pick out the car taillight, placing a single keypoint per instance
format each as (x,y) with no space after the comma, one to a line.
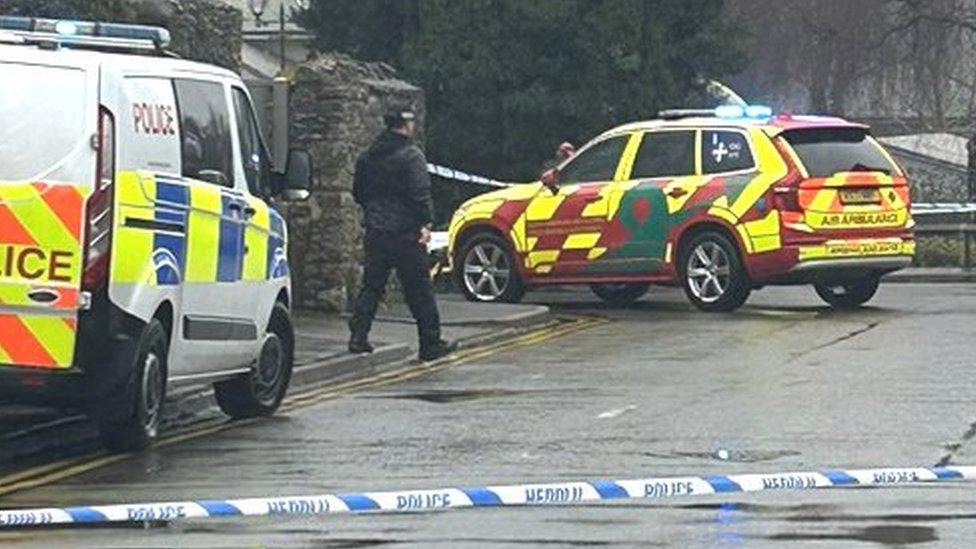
(786,191)
(98,209)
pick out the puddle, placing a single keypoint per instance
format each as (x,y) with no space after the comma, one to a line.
(447,396)
(593,522)
(729,455)
(338,543)
(811,510)
(894,535)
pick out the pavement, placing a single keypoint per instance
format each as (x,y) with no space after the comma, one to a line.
(917,275)
(30,434)
(656,389)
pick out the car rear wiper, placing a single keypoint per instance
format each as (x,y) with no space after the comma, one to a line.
(863,168)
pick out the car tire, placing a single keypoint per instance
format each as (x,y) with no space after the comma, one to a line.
(129,418)
(620,295)
(848,295)
(486,270)
(712,273)
(259,393)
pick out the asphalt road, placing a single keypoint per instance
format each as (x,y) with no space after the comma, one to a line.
(784,384)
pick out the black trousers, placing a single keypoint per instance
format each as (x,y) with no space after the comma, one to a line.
(402,252)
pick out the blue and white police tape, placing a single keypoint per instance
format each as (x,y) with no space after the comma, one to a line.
(921,208)
(560,493)
(458,175)
(942,208)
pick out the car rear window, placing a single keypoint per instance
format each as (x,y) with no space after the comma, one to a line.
(43,111)
(825,152)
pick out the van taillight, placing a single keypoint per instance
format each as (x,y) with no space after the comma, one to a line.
(786,191)
(98,209)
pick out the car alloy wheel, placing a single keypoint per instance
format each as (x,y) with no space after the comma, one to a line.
(709,272)
(152,379)
(270,370)
(487,272)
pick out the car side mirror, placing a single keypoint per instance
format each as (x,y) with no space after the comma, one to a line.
(550,178)
(214,177)
(295,183)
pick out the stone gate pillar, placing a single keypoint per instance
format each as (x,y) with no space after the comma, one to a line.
(337,104)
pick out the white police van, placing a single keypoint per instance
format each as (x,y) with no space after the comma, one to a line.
(139,248)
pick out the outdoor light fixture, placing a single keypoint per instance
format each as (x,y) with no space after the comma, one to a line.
(257,8)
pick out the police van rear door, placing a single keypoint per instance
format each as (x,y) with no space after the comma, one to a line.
(49,113)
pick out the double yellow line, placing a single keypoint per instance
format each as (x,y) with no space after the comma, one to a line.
(66,468)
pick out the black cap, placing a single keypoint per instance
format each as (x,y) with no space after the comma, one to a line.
(398,116)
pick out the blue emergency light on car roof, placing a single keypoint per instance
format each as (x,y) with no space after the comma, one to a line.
(87,32)
(740,111)
(729,112)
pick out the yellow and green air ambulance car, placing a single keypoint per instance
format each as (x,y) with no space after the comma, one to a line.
(720,202)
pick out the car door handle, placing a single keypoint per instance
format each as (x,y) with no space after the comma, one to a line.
(677,192)
(44,296)
(249,211)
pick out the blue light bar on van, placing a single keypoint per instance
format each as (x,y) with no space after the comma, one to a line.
(748,111)
(87,32)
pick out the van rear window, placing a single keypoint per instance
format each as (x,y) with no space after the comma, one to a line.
(825,152)
(42,119)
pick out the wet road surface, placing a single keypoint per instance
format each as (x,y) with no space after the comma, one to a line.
(785,384)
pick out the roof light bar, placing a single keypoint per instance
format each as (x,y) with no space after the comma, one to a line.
(759,111)
(675,114)
(743,111)
(722,111)
(87,33)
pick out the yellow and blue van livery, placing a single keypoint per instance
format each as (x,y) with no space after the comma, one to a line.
(139,245)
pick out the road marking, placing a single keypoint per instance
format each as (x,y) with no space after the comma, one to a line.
(517,495)
(70,467)
(610,414)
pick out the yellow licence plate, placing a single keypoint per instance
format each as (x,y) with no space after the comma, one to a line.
(860,196)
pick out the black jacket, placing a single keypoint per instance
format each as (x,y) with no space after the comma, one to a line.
(392,185)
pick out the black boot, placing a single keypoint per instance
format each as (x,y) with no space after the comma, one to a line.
(436,349)
(359,345)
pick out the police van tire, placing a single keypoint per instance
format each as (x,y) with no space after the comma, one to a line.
(260,392)
(489,252)
(620,295)
(130,420)
(712,273)
(848,295)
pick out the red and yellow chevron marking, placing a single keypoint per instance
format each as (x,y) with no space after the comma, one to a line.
(39,341)
(41,231)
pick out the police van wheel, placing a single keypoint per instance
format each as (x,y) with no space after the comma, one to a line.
(712,273)
(848,295)
(130,421)
(620,295)
(486,270)
(259,393)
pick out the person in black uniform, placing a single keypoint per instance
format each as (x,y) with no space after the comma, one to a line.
(392,186)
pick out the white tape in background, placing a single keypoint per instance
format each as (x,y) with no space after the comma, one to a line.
(458,175)
(921,208)
(943,208)
(439,240)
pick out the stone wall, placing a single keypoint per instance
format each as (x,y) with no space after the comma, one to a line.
(202,30)
(337,105)
(934,181)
